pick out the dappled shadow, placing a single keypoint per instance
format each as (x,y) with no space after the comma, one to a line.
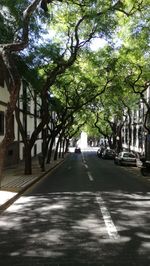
(131,213)
(65,224)
(65,228)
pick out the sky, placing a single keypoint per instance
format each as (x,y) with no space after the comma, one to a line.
(97,43)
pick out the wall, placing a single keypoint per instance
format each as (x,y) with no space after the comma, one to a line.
(15,150)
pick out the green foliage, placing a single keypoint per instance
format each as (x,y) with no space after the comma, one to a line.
(11,15)
(29,74)
(100,81)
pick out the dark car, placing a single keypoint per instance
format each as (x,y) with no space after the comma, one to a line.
(100,151)
(77,150)
(108,154)
(125,158)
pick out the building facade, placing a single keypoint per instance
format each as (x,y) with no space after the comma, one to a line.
(29,113)
(139,135)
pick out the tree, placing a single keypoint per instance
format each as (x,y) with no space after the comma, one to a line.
(72,40)
(76,24)
(13,78)
(133,64)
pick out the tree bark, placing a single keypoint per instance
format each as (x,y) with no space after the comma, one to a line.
(66,145)
(49,155)
(60,147)
(28,160)
(56,151)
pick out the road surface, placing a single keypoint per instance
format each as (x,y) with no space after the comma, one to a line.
(88,211)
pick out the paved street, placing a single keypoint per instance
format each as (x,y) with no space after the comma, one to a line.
(88,211)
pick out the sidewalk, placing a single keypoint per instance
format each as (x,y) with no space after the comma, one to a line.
(14,182)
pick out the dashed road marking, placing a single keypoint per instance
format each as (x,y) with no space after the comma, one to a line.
(84,162)
(83,158)
(111,228)
(86,166)
(90,176)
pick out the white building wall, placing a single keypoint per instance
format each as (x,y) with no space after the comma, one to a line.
(137,121)
(30,127)
(4,98)
(4,94)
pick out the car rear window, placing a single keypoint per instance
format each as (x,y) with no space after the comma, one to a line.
(130,155)
(126,155)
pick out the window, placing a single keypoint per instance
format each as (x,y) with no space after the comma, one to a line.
(1,123)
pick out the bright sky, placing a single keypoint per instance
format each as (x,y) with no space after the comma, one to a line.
(97,44)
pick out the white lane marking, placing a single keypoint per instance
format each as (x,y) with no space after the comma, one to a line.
(83,158)
(90,176)
(84,162)
(111,228)
(86,166)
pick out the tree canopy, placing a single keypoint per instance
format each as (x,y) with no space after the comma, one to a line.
(50,42)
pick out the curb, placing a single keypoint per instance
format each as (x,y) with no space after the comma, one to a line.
(9,202)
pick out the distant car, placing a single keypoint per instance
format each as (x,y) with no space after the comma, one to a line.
(108,154)
(77,150)
(125,158)
(99,152)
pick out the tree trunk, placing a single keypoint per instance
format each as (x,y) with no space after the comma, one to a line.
(2,161)
(63,148)
(13,79)
(67,145)
(49,155)
(110,143)
(44,148)
(56,151)
(60,147)
(28,160)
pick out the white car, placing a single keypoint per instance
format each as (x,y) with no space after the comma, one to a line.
(125,158)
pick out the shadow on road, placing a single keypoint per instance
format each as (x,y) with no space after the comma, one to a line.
(68,229)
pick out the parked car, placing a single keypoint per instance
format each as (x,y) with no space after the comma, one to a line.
(108,154)
(100,151)
(125,158)
(77,150)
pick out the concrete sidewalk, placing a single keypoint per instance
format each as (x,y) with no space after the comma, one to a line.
(14,182)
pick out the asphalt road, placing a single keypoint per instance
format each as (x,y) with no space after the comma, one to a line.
(86,212)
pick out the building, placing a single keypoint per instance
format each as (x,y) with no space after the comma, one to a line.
(139,135)
(29,113)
